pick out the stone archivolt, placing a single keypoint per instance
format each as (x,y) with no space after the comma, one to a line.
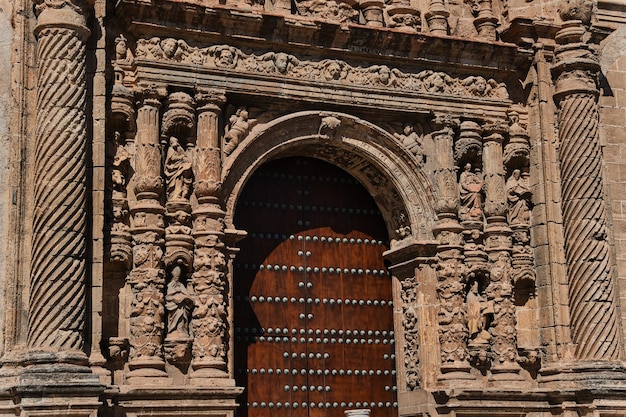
(328,70)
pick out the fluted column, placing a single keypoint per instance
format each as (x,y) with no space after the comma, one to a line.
(451,271)
(209,322)
(498,246)
(592,301)
(147,279)
(56,315)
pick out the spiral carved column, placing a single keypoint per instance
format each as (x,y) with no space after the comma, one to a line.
(56,318)
(209,280)
(593,312)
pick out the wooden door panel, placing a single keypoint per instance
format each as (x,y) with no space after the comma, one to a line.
(310,280)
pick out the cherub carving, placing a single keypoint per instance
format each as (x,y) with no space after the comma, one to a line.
(412,142)
(278,62)
(434,81)
(238,126)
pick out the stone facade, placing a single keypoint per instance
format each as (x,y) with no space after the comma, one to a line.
(489,133)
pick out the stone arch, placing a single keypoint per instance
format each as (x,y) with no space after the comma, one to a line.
(392,176)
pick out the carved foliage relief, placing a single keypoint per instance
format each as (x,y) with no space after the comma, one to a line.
(328,70)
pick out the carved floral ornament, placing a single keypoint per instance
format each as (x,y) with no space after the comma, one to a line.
(328,70)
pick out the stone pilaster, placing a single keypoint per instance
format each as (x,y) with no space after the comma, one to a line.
(147,279)
(209,323)
(451,271)
(498,246)
(592,301)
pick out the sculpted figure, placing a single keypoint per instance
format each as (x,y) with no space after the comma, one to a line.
(470,189)
(121,48)
(333,70)
(225,56)
(411,141)
(238,126)
(177,172)
(477,86)
(278,62)
(518,195)
(121,161)
(477,311)
(435,82)
(178,303)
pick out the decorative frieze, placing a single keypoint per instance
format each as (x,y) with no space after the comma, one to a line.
(329,70)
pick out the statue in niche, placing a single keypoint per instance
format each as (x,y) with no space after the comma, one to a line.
(178,303)
(121,48)
(238,126)
(477,313)
(411,141)
(470,190)
(121,164)
(518,195)
(178,172)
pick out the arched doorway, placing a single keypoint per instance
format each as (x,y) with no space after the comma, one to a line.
(313,301)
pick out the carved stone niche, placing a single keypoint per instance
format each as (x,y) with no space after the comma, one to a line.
(178,132)
(119,171)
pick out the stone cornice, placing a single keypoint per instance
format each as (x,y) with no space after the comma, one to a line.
(314,36)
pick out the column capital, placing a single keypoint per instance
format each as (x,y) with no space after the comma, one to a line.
(210,99)
(68,14)
(150,94)
(444,124)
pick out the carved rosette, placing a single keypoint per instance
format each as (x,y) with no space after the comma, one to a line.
(147,278)
(59,247)
(592,300)
(411,332)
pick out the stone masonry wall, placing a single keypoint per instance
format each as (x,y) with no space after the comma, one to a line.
(612,121)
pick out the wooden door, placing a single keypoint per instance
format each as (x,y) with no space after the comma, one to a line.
(313,304)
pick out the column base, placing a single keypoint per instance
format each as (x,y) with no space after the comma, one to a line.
(583,374)
(179,401)
(59,389)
